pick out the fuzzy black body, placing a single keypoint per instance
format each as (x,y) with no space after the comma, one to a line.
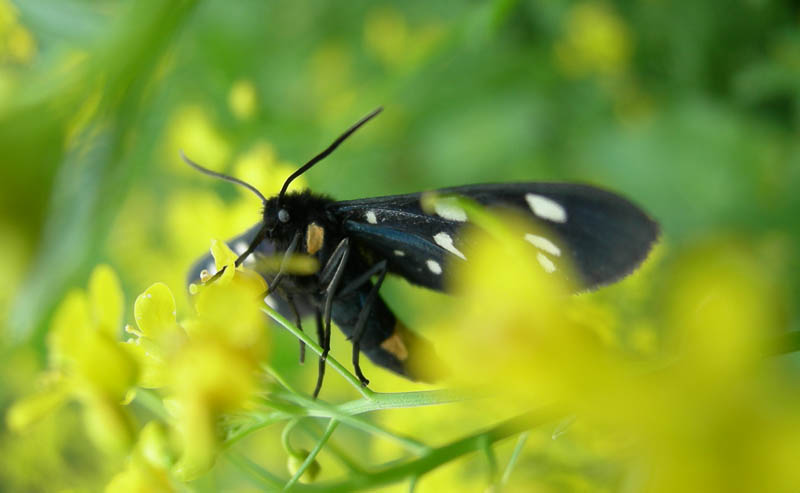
(602,235)
(316,215)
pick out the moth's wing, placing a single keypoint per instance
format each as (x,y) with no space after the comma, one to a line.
(266,248)
(603,235)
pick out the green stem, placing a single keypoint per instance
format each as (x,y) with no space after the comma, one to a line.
(253,471)
(326,410)
(287,430)
(271,418)
(332,424)
(360,406)
(330,360)
(442,455)
(491,460)
(333,449)
(523,437)
(397,400)
(278,378)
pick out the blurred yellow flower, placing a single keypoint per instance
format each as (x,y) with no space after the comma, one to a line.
(192,130)
(259,166)
(147,469)
(243,99)
(386,35)
(596,41)
(88,364)
(16,42)
(510,329)
(706,415)
(389,38)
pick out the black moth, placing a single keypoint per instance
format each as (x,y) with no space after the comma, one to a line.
(604,235)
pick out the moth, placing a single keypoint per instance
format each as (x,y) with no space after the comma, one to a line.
(358,242)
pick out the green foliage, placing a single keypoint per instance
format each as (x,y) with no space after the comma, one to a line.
(691,109)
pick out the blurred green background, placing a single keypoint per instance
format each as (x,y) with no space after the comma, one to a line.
(692,109)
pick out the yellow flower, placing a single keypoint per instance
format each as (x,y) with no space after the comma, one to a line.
(596,41)
(709,415)
(192,130)
(510,328)
(208,364)
(158,334)
(88,364)
(147,469)
(242,99)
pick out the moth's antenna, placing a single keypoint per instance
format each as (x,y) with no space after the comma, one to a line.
(222,177)
(322,155)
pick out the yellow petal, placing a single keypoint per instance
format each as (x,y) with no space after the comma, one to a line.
(104,366)
(107,424)
(139,477)
(71,325)
(199,440)
(154,310)
(32,408)
(154,446)
(232,311)
(106,300)
(152,369)
(223,257)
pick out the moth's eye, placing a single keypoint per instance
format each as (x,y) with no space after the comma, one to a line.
(283,216)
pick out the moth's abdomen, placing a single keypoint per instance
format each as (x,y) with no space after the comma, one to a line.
(385,340)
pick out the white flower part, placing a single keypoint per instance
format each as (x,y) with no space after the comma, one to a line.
(371,217)
(449,211)
(434,266)
(445,241)
(546,208)
(543,244)
(400,253)
(546,263)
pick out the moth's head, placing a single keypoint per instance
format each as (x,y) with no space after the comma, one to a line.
(277,214)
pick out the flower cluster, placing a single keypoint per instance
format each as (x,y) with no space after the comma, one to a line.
(204,367)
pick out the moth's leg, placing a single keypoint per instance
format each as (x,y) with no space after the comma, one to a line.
(297,323)
(327,272)
(284,262)
(360,280)
(262,233)
(361,322)
(339,260)
(321,339)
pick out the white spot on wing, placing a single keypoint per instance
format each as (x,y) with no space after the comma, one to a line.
(434,266)
(212,268)
(400,253)
(543,244)
(546,208)
(269,300)
(450,211)
(445,241)
(546,263)
(371,217)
